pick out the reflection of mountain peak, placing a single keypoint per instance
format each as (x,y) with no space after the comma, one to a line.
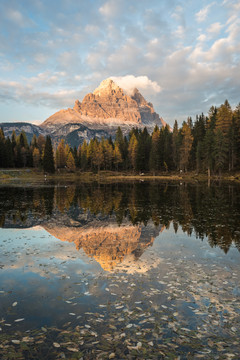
(108,244)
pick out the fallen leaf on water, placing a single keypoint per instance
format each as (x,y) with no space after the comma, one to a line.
(72,349)
(16,341)
(56,345)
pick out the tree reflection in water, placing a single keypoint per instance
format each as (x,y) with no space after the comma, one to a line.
(207,211)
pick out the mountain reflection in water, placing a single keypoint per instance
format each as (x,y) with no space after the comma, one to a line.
(112,221)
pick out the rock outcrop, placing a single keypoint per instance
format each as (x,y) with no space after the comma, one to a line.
(98,115)
(108,107)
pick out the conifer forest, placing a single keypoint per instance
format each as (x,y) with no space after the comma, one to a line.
(209,144)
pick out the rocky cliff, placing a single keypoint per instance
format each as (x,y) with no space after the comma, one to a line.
(98,115)
(106,108)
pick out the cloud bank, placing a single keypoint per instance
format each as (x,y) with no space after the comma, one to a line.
(182,58)
(129,82)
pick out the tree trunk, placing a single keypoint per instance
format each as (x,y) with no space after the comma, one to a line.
(209,172)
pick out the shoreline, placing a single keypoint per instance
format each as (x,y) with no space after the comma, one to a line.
(25,174)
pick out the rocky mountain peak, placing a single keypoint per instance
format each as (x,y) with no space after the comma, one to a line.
(107,87)
(106,108)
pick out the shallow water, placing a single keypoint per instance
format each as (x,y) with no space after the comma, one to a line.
(125,271)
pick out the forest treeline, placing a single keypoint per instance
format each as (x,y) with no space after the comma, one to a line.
(209,144)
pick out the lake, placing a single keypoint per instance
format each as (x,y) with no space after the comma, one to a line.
(145,270)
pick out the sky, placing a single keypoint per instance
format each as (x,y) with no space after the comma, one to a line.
(182,55)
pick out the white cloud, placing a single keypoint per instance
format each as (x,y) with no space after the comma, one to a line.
(110,8)
(202,38)
(202,14)
(129,82)
(180,32)
(93,30)
(215,28)
(18,18)
(28,94)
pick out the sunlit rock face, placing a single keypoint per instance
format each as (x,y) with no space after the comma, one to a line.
(108,245)
(110,106)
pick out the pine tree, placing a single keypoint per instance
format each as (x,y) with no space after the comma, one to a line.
(144,148)
(175,145)
(154,161)
(198,132)
(220,151)
(167,150)
(208,145)
(236,121)
(123,145)
(185,146)
(84,155)
(9,153)
(2,149)
(48,160)
(212,117)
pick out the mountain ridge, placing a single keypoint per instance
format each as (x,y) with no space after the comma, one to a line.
(99,114)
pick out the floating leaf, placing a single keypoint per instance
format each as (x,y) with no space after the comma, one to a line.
(72,349)
(16,342)
(129,326)
(56,345)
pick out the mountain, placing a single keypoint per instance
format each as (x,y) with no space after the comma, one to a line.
(107,108)
(28,128)
(98,115)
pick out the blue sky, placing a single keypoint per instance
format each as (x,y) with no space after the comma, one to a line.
(183,56)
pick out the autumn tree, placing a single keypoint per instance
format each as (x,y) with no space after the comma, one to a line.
(107,149)
(133,151)
(70,162)
(61,155)
(36,157)
(117,157)
(224,118)
(97,154)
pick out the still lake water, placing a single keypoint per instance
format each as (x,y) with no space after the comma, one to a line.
(124,271)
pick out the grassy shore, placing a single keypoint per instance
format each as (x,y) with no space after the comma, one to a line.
(14,175)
